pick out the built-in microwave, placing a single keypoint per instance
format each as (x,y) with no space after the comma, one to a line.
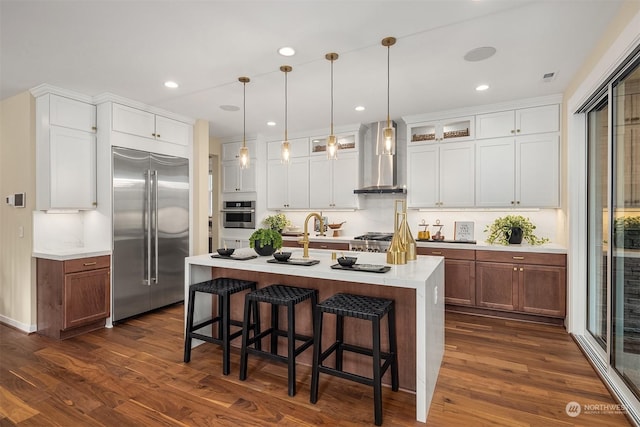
(239,214)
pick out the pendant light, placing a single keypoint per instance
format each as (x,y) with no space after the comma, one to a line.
(244,151)
(285,150)
(332,142)
(389,132)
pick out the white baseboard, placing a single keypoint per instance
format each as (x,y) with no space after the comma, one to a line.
(18,325)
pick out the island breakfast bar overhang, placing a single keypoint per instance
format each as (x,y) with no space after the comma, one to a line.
(422,280)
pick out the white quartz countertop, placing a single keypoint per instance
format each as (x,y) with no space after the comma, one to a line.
(69,253)
(479,245)
(411,275)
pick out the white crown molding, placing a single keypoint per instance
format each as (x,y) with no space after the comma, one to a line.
(45,89)
(482,109)
(111,97)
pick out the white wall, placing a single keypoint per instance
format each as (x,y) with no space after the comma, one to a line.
(17,174)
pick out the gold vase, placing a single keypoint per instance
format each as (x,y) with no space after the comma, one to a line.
(397,253)
(407,239)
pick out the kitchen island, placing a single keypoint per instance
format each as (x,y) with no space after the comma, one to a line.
(417,288)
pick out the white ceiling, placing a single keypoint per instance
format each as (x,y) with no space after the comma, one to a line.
(130,48)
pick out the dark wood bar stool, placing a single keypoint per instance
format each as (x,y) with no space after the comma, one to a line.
(223,288)
(276,295)
(360,307)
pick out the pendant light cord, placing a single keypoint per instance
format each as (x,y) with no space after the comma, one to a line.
(332,97)
(388,84)
(244,113)
(286,136)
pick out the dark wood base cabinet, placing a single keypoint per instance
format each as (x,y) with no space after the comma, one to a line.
(520,285)
(73,295)
(459,274)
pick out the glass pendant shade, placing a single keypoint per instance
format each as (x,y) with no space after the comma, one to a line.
(244,157)
(332,147)
(332,141)
(285,151)
(389,140)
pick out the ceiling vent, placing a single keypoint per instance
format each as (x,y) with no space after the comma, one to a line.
(548,77)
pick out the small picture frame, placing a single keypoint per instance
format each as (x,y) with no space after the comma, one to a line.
(463,230)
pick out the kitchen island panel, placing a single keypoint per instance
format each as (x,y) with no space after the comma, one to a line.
(356,331)
(422,280)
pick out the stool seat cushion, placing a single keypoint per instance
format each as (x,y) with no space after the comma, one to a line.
(221,286)
(281,294)
(358,306)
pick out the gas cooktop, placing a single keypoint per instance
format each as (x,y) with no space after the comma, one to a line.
(374,235)
(371,242)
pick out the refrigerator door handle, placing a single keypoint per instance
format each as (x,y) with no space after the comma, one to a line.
(155,225)
(147,252)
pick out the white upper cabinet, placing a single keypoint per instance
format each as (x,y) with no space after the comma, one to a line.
(332,182)
(423,177)
(288,183)
(234,178)
(519,172)
(450,130)
(72,114)
(538,171)
(523,121)
(231,150)
(457,175)
(65,153)
(441,175)
(298,147)
(148,125)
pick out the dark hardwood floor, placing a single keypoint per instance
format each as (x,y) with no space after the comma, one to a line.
(495,372)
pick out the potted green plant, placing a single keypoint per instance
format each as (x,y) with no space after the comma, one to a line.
(511,229)
(277,222)
(265,241)
(627,232)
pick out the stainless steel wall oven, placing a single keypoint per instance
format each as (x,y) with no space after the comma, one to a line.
(239,214)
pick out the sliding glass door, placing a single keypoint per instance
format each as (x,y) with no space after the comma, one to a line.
(598,220)
(613,225)
(625,257)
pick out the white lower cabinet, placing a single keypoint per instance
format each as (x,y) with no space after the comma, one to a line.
(288,184)
(441,176)
(331,182)
(518,172)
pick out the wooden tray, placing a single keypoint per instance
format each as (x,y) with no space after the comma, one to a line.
(236,257)
(295,261)
(369,268)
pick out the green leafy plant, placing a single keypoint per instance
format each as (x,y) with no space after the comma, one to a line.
(265,236)
(500,230)
(277,222)
(627,222)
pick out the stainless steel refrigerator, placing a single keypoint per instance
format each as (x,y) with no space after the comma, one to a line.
(150,230)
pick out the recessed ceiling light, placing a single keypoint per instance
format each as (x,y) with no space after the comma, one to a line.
(480,88)
(480,54)
(229,107)
(360,108)
(287,51)
(171,85)
(271,123)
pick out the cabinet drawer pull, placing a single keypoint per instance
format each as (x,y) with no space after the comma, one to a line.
(87,264)
(518,257)
(323,246)
(521,269)
(515,268)
(436,252)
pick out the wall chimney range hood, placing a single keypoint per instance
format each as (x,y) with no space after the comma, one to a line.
(379,170)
